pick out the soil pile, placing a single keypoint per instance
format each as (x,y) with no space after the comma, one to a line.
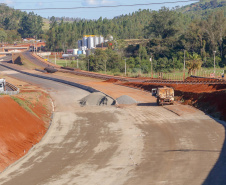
(209,98)
(213,103)
(111,80)
(202,79)
(197,88)
(20,130)
(97,99)
(126,100)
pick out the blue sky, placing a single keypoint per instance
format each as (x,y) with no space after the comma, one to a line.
(87,13)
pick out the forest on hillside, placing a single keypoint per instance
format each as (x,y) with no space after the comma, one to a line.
(15,24)
(171,34)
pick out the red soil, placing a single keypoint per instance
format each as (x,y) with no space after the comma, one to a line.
(209,98)
(19,131)
(202,79)
(197,88)
(111,80)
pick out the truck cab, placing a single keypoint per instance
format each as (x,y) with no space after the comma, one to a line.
(165,95)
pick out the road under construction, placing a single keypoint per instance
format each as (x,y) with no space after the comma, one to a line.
(123,145)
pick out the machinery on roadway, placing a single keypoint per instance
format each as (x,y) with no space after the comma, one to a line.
(2,85)
(165,95)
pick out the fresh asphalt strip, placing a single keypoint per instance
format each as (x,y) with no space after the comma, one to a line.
(83,87)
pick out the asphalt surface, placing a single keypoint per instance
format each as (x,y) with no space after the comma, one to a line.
(148,145)
(28,55)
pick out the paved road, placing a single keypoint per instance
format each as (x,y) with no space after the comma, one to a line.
(33,59)
(130,145)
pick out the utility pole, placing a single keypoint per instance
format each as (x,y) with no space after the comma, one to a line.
(77,63)
(35,47)
(55,58)
(184,67)
(105,66)
(214,53)
(88,64)
(125,67)
(151,67)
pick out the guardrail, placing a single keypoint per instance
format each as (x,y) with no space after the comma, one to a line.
(14,89)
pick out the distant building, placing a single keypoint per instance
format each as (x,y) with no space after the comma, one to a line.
(90,41)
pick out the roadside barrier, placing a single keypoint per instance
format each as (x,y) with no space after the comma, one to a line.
(14,89)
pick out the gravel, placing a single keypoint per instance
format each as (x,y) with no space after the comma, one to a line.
(97,99)
(126,100)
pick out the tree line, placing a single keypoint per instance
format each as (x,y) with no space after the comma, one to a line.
(15,24)
(171,34)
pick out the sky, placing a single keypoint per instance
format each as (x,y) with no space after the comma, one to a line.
(85,11)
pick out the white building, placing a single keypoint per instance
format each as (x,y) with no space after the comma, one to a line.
(85,41)
(90,42)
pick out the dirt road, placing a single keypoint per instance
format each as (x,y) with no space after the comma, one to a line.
(109,145)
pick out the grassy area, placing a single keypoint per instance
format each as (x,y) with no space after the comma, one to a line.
(45,24)
(176,75)
(28,64)
(69,63)
(23,104)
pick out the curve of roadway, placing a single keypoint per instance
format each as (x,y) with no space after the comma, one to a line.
(107,145)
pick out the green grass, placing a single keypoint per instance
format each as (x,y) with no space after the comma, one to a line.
(23,104)
(46,24)
(28,64)
(176,75)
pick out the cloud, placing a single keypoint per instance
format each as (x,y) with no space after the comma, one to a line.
(39,4)
(8,2)
(97,2)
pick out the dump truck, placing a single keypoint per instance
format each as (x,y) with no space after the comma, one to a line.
(165,95)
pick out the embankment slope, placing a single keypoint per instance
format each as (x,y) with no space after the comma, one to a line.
(19,131)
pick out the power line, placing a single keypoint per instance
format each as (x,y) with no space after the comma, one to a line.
(26,2)
(114,6)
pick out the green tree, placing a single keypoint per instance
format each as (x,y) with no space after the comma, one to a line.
(164,24)
(3,35)
(31,25)
(194,63)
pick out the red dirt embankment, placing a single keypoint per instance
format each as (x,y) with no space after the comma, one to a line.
(195,88)
(19,131)
(209,98)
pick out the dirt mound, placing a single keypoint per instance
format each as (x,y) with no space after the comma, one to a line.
(202,79)
(97,99)
(211,103)
(197,88)
(111,80)
(126,100)
(209,98)
(20,130)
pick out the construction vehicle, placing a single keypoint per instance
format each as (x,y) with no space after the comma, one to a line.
(2,84)
(154,91)
(165,95)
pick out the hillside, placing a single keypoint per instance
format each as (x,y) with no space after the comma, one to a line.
(15,24)
(204,7)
